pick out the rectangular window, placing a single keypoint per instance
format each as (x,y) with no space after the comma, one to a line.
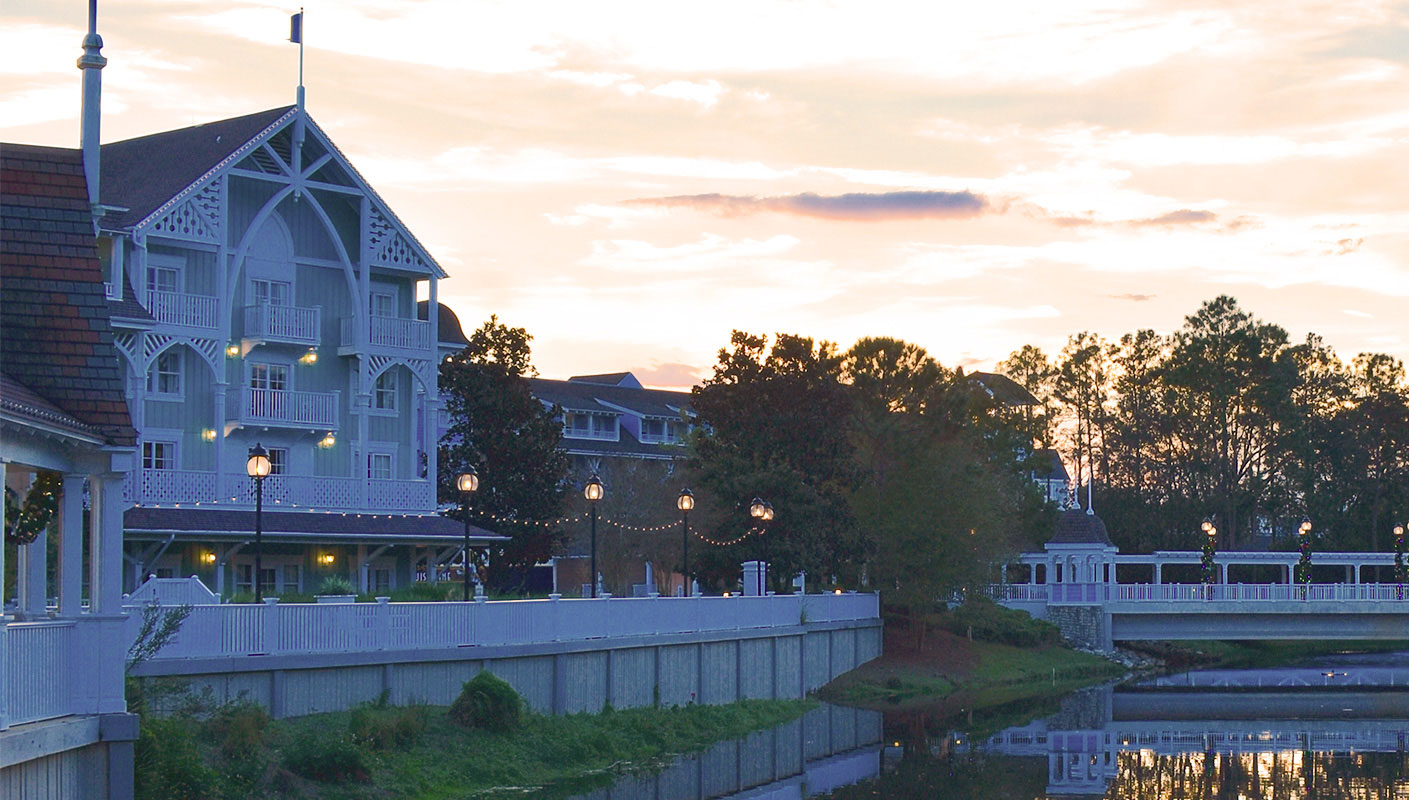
(158,455)
(384,394)
(379,466)
(603,426)
(242,578)
(272,293)
(163,279)
(383,304)
(269,376)
(291,579)
(165,375)
(381,581)
(278,460)
(266,580)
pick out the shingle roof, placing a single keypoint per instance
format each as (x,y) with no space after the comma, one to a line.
(142,174)
(609,379)
(55,335)
(1078,527)
(1003,389)
(576,394)
(17,399)
(1047,464)
(447,324)
(288,525)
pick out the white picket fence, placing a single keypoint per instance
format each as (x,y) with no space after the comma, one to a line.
(1190,592)
(292,629)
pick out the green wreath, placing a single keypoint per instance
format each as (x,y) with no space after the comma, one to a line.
(23,524)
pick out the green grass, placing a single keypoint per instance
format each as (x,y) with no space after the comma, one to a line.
(1242,654)
(547,757)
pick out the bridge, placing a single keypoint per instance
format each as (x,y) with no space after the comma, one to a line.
(1074,583)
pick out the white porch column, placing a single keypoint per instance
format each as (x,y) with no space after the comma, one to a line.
(105,543)
(1222,573)
(1158,565)
(31,565)
(71,546)
(1350,576)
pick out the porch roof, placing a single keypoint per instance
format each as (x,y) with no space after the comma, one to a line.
(302,527)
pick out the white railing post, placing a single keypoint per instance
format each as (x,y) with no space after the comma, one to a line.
(271,624)
(383,626)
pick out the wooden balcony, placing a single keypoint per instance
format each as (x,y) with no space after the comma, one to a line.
(289,409)
(282,324)
(387,333)
(184,310)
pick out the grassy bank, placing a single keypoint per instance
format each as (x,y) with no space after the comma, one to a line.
(1205,654)
(387,752)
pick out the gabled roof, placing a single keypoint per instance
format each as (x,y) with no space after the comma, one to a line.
(56,339)
(150,174)
(1003,389)
(142,174)
(1047,464)
(609,379)
(576,394)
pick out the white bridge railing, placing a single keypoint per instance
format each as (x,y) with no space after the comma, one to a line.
(1102,593)
(39,670)
(271,628)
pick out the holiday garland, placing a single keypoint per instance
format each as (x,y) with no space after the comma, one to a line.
(23,524)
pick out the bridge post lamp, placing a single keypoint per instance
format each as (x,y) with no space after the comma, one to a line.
(757,508)
(1399,570)
(593,491)
(685,502)
(467,483)
(767,518)
(1304,564)
(1210,570)
(258,467)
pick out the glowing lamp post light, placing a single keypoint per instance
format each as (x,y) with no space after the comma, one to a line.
(1303,566)
(1210,570)
(467,483)
(258,467)
(685,502)
(1399,569)
(594,491)
(761,512)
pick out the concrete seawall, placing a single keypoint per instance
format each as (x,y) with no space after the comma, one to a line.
(553,677)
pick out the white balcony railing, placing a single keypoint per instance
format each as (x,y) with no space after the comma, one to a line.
(171,487)
(292,324)
(39,663)
(390,332)
(177,308)
(241,630)
(285,407)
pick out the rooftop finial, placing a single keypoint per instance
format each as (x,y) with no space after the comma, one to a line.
(92,63)
(296,36)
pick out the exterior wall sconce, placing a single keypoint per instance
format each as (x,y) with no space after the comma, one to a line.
(208,558)
(310,357)
(232,350)
(326,559)
(208,434)
(328,440)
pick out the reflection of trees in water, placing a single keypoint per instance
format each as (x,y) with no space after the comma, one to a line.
(1287,775)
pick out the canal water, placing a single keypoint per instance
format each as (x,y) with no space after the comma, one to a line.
(1328,728)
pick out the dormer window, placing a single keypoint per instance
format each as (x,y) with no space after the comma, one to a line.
(581,425)
(661,431)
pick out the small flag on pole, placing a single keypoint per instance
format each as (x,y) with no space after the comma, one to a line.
(296,28)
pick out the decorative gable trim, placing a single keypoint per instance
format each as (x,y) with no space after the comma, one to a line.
(209,177)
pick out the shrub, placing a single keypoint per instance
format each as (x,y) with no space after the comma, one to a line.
(325,756)
(336,584)
(168,764)
(423,592)
(238,728)
(487,702)
(381,728)
(991,622)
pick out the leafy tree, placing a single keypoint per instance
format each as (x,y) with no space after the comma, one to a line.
(1030,368)
(510,439)
(775,422)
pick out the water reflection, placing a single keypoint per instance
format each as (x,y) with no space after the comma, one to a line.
(826,748)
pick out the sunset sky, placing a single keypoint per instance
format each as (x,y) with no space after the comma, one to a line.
(631,180)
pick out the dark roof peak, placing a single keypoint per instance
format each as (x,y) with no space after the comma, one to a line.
(1080,527)
(623,379)
(1003,389)
(450,331)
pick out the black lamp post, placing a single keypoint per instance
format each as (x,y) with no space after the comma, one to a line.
(767,518)
(1304,564)
(593,491)
(1399,561)
(467,483)
(757,508)
(258,467)
(1210,570)
(685,502)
